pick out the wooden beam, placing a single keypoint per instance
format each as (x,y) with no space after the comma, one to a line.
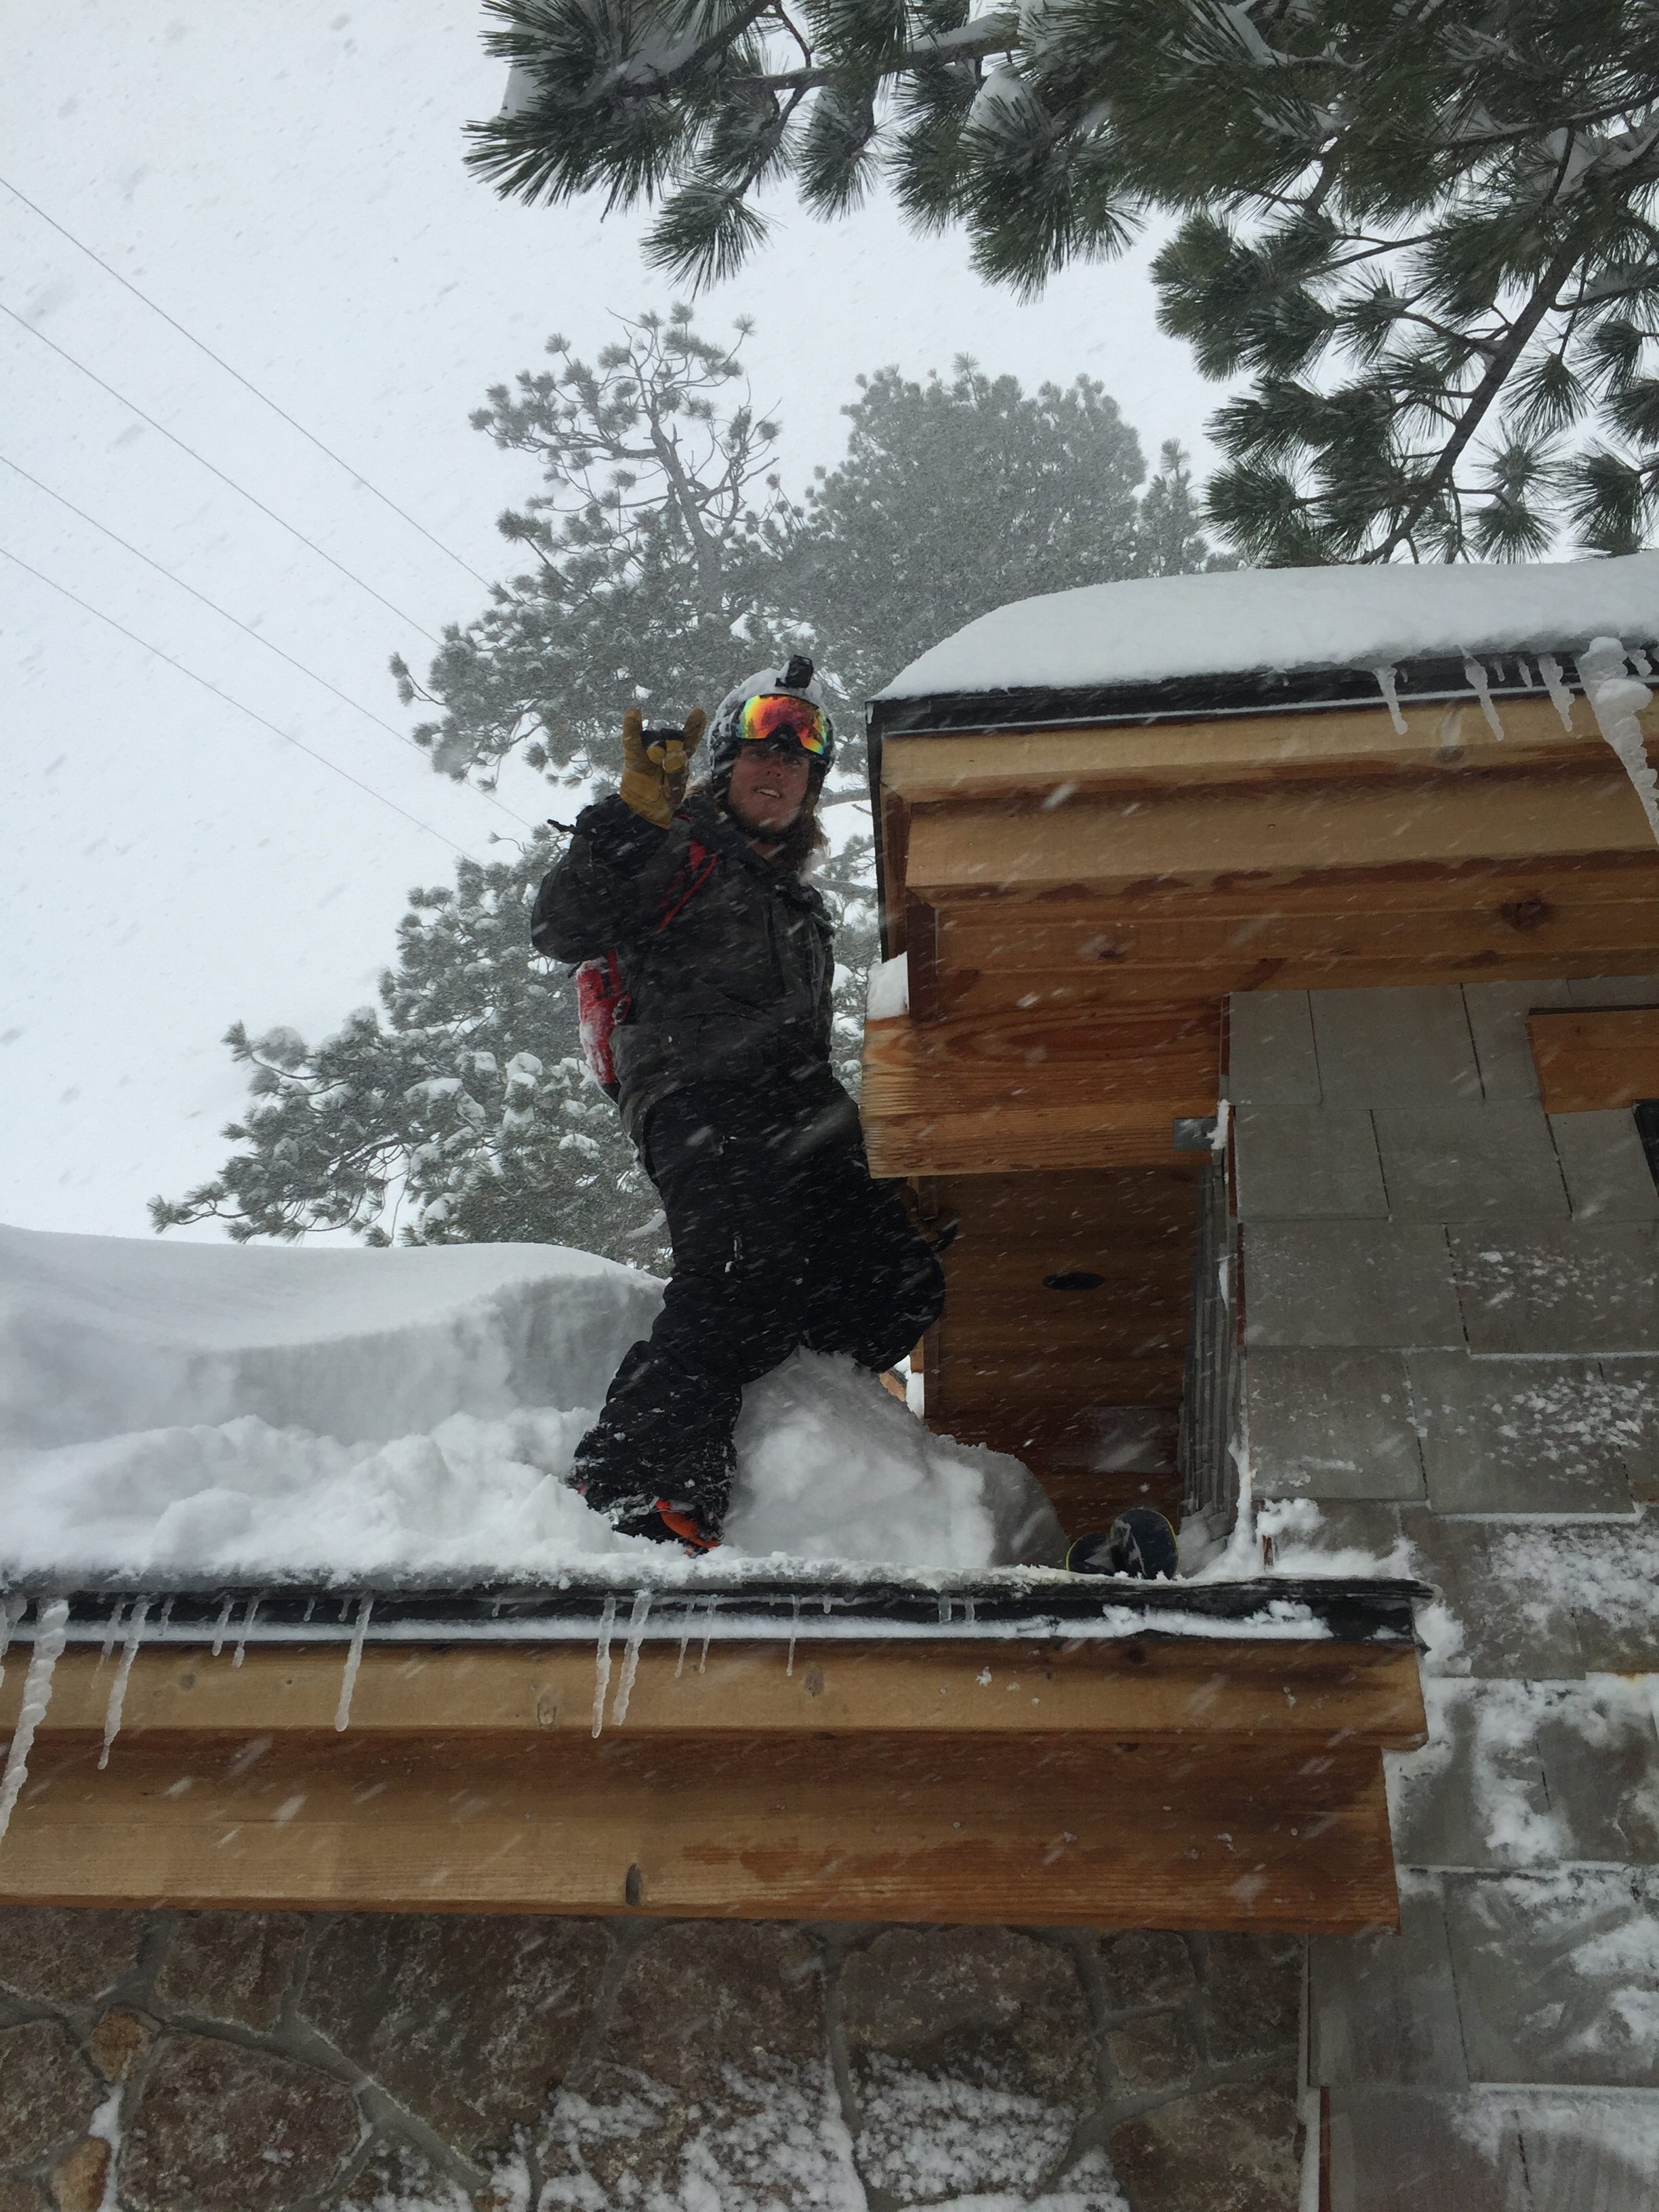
(988,996)
(1087,1831)
(1263,836)
(1144,1688)
(1338,890)
(1589,1061)
(1346,741)
(1138,1053)
(1004,1140)
(1221,938)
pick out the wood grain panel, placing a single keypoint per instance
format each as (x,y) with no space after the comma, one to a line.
(1004,1140)
(1564,880)
(1146,1687)
(1135,1055)
(1279,931)
(1010,1210)
(992,1828)
(986,996)
(1591,1061)
(1024,1386)
(1271,834)
(1348,741)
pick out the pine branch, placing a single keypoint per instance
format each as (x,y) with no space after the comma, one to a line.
(1481,399)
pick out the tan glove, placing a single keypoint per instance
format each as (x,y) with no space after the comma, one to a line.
(654,776)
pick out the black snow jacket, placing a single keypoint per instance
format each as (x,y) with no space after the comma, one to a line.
(734,987)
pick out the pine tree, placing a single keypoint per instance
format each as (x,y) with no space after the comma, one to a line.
(952,498)
(459,1111)
(1169,540)
(1423,232)
(658,524)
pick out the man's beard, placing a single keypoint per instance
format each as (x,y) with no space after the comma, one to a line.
(765,833)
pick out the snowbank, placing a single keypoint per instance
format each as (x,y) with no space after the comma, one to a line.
(1158,627)
(240,1413)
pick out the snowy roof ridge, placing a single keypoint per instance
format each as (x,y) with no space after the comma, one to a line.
(1155,630)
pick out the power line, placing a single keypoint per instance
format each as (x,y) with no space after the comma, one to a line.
(288,738)
(248,629)
(64,355)
(356,475)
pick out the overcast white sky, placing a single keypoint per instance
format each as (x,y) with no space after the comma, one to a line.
(287,182)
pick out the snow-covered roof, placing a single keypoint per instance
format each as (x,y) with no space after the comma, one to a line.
(1156,629)
(226,1412)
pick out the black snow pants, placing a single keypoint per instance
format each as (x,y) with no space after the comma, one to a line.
(780,1239)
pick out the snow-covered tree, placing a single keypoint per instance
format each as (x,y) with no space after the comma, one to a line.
(1424,233)
(953,498)
(458,1111)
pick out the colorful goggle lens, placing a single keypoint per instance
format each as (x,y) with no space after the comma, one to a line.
(782,714)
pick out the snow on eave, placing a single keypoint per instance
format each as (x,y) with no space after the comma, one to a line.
(1161,629)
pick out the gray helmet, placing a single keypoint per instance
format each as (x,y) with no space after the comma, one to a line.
(725,730)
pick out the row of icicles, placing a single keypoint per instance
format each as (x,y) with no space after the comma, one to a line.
(50,1635)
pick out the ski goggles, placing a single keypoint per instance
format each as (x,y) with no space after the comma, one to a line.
(775,717)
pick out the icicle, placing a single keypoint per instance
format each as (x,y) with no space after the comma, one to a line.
(241,1651)
(708,1631)
(51,1634)
(354,1661)
(221,1625)
(1385,676)
(118,1688)
(636,1621)
(111,1630)
(12,1610)
(1560,698)
(795,1631)
(602,1663)
(686,1619)
(1640,663)
(968,1613)
(1476,676)
(1616,699)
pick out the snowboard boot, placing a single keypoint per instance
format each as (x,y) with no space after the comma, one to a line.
(1139,1542)
(666,1521)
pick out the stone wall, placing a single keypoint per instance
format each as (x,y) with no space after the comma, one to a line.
(1451,1305)
(243,2062)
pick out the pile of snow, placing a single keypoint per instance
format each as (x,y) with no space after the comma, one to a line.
(223,1411)
(1155,627)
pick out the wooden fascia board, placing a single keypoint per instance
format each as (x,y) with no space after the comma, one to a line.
(1590,1060)
(1262,837)
(1008,1140)
(979,1828)
(1025,1058)
(1194,1688)
(1352,741)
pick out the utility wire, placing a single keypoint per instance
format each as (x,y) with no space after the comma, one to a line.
(248,630)
(356,475)
(64,355)
(321,758)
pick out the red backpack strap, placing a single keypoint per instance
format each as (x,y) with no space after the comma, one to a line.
(690,877)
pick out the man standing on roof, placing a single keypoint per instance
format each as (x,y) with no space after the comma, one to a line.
(721,1057)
